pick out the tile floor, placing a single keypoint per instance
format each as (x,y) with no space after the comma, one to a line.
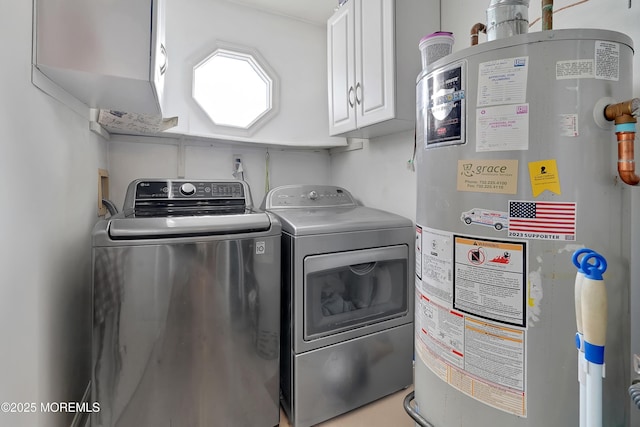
(384,412)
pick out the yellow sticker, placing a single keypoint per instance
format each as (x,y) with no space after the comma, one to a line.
(531,301)
(544,176)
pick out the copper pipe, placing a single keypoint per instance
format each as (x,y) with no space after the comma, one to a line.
(532,23)
(547,15)
(626,161)
(623,114)
(477,28)
(618,111)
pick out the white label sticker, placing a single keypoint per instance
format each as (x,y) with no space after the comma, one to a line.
(607,62)
(503,81)
(437,265)
(261,248)
(578,69)
(502,128)
(568,125)
(482,359)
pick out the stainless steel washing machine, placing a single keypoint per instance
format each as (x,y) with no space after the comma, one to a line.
(347,302)
(186,308)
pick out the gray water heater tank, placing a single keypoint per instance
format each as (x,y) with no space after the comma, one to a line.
(516,170)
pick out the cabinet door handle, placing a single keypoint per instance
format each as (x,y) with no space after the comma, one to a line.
(349,96)
(358,87)
(165,59)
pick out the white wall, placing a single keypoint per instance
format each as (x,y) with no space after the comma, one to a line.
(295,50)
(132,157)
(48,170)
(379,175)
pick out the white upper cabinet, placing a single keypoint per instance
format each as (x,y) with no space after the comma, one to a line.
(108,54)
(375,71)
(341,69)
(373,62)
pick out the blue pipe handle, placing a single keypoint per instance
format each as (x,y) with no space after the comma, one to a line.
(576,255)
(596,270)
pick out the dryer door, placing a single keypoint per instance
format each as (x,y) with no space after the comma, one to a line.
(344,291)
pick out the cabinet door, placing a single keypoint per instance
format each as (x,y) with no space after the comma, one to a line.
(102,51)
(341,69)
(159,58)
(375,60)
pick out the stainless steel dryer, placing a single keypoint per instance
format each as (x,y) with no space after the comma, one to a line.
(186,308)
(347,302)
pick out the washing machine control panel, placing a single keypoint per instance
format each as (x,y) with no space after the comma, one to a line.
(180,189)
(183,197)
(304,196)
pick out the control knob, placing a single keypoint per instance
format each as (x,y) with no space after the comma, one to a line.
(313,195)
(188,189)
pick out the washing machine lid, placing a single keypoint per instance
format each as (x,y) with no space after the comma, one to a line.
(322,209)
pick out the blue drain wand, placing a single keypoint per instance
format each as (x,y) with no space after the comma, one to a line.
(593,307)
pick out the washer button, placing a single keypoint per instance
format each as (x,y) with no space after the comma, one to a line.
(188,189)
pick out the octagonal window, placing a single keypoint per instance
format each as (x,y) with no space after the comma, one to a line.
(233,88)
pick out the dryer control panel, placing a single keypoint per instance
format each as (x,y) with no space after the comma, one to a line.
(306,196)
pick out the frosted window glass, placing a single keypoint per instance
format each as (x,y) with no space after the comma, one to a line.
(232,88)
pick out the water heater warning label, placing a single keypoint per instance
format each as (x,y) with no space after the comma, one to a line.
(489,279)
(607,60)
(466,339)
(574,69)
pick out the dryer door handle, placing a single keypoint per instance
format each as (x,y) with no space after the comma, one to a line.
(318,263)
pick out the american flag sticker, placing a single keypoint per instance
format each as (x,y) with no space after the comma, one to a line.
(542,220)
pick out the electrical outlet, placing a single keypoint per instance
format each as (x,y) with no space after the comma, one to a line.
(236,159)
(238,166)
